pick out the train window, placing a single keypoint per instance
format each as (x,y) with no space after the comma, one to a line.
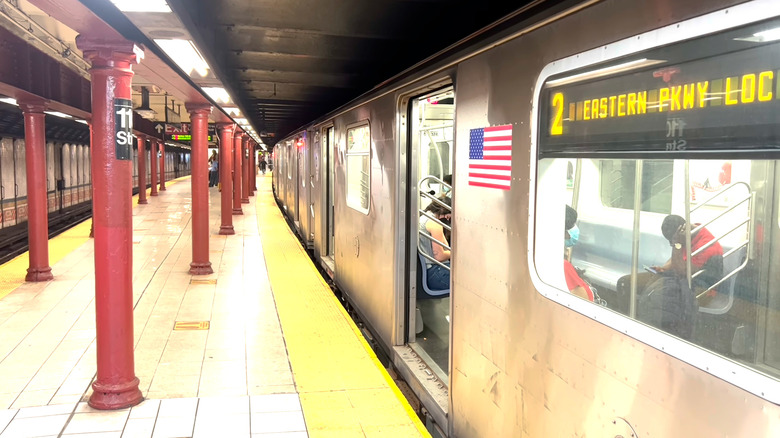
(655,184)
(617,184)
(359,167)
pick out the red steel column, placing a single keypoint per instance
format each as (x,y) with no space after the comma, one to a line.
(237,172)
(253,159)
(116,385)
(153,164)
(142,169)
(225,178)
(37,209)
(245,169)
(199,116)
(162,166)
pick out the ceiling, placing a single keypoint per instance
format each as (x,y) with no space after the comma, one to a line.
(289,61)
(274,65)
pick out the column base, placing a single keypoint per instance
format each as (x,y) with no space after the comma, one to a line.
(153,194)
(227,229)
(237,211)
(162,189)
(116,396)
(142,201)
(39,274)
(245,200)
(201,268)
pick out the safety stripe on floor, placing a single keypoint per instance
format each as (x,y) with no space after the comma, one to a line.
(344,389)
(12,272)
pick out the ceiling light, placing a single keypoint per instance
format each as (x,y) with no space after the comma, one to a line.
(82,121)
(141,5)
(58,114)
(240,120)
(605,71)
(218,94)
(185,55)
(231,110)
(763,36)
(9,100)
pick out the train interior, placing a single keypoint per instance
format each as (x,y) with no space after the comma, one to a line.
(432,137)
(622,205)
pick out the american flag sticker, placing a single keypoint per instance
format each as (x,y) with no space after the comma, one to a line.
(490,157)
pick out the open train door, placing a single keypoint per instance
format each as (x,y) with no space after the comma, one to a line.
(429,148)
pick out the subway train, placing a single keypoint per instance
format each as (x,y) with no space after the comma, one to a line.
(628,113)
(68,175)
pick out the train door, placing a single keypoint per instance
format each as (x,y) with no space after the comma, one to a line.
(304,188)
(330,171)
(431,146)
(6,180)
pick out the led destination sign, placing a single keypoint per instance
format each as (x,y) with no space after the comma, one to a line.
(720,102)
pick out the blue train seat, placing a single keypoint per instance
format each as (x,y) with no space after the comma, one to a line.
(721,303)
(423,290)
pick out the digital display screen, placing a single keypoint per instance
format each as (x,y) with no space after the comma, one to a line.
(726,101)
(185,137)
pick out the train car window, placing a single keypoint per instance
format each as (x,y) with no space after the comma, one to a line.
(655,183)
(617,184)
(359,168)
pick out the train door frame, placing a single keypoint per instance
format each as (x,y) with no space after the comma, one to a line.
(406,254)
(327,172)
(303,188)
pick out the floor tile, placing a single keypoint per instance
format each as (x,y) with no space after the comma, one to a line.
(35,427)
(139,428)
(223,405)
(5,417)
(278,422)
(42,411)
(174,427)
(180,407)
(145,409)
(235,425)
(275,403)
(282,435)
(106,421)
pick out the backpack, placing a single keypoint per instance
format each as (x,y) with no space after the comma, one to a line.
(668,304)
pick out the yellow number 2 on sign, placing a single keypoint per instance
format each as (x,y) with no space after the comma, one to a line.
(556,128)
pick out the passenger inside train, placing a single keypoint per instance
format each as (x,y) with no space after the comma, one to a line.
(707,254)
(574,281)
(433,242)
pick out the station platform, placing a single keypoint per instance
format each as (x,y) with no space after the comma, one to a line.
(260,348)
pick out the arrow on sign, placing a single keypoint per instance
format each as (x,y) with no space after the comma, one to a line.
(159,128)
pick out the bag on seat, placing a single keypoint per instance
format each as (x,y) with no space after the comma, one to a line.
(668,304)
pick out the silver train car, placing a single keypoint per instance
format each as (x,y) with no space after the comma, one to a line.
(636,115)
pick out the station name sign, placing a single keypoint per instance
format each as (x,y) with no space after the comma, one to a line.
(701,104)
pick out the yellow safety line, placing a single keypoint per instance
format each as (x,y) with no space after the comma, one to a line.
(12,273)
(344,389)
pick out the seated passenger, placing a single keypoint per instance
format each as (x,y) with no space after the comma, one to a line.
(710,260)
(438,277)
(574,282)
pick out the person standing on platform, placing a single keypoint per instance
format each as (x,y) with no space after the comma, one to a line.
(213,169)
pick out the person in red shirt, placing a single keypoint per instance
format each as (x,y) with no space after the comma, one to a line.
(710,260)
(574,282)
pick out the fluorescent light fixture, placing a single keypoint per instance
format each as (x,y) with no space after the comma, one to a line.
(9,100)
(218,94)
(141,5)
(82,121)
(763,36)
(231,110)
(240,120)
(58,114)
(619,68)
(185,55)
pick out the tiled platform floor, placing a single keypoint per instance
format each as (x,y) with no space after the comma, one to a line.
(216,382)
